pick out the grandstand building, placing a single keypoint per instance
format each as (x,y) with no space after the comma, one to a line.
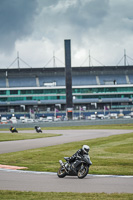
(43,89)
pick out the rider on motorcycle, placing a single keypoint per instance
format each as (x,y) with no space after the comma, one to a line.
(38,128)
(78,155)
(13,129)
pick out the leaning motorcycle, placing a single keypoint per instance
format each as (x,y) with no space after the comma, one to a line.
(38,129)
(13,130)
(79,168)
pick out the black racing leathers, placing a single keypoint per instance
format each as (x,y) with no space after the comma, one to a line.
(79,153)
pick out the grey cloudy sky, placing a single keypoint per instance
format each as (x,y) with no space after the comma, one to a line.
(37,29)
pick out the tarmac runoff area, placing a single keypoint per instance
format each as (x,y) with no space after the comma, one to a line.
(22,180)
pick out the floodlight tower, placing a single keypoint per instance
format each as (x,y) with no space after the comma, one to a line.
(68,76)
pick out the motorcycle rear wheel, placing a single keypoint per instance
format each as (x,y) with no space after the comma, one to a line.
(61,172)
(83,172)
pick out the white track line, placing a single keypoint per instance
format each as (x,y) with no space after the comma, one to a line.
(54,173)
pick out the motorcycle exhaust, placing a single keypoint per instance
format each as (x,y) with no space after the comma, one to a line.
(61,163)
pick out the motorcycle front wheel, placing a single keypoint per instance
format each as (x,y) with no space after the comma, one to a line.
(61,172)
(83,171)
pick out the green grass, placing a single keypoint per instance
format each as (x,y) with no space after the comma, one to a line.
(24,136)
(107,126)
(8,195)
(109,155)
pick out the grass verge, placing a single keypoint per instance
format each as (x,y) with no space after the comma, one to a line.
(5,195)
(106,126)
(24,136)
(109,155)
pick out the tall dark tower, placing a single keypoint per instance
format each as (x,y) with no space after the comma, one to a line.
(68,73)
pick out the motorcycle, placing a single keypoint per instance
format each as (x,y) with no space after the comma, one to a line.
(78,168)
(13,130)
(38,129)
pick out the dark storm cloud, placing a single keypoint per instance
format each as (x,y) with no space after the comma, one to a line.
(54,18)
(88,14)
(40,26)
(16,17)
(72,19)
(47,3)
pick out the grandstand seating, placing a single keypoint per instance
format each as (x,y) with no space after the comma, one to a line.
(112,79)
(22,82)
(59,80)
(84,80)
(130,78)
(2,82)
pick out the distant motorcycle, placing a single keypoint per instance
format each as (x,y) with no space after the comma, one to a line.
(38,129)
(13,130)
(81,167)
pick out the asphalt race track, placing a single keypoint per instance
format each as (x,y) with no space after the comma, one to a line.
(67,136)
(41,182)
(49,182)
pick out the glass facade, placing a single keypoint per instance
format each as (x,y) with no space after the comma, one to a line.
(53,94)
(36,98)
(103,90)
